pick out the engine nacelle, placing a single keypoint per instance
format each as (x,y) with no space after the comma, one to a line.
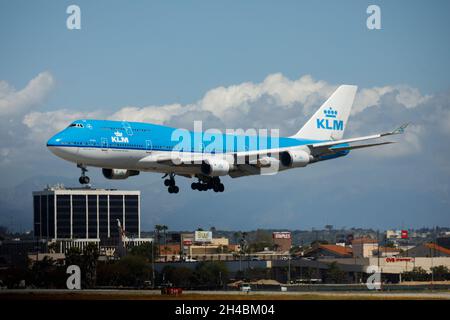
(295,158)
(215,167)
(117,174)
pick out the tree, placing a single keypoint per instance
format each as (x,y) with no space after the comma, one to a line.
(131,270)
(441,273)
(158,229)
(237,235)
(52,247)
(334,274)
(143,250)
(179,277)
(416,274)
(211,274)
(90,258)
(164,229)
(73,256)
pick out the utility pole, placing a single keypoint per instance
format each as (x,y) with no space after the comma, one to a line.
(153,263)
(289,270)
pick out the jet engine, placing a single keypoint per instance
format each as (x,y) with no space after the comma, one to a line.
(295,158)
(117,174)
(215,167)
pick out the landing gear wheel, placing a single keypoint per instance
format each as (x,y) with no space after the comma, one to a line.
(173,189)
(84,180)
(170,183)
(221,187)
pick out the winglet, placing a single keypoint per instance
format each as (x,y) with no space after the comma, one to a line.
(400,129)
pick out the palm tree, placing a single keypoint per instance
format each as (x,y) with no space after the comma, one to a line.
(164,229)
(236,236)
(158,229)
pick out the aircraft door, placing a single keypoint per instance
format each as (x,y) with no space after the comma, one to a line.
(148,146)
(104,144)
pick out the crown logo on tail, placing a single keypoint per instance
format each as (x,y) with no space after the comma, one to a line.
(330,113)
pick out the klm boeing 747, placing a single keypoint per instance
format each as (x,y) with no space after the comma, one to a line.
(123,149)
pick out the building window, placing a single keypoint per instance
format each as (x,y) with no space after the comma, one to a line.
(63,216)
(79,216)
(103,216)
(132,215)
(115,213)
(92,216)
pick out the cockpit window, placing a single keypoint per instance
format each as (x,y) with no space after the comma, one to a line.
(77,125)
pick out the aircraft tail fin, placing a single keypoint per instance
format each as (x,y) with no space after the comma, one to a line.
(330,120)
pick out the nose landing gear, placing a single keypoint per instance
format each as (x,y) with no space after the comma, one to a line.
(84,179)
(170,183)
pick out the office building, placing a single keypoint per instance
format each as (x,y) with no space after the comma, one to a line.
(84,213)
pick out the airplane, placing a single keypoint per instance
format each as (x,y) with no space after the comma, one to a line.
(123,149)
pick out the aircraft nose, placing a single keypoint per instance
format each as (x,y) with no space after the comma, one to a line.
(54,141)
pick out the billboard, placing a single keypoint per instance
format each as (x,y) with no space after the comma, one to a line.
(281,235)
(404,234)
(203,236)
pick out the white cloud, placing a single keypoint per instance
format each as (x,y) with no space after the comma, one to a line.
(43,125)
(410,97)
(276,102)
(404,95)
(13,102)
(153,114)
(282,91)
(408,143)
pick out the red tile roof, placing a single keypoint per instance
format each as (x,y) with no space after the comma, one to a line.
(437,248)
(340,250)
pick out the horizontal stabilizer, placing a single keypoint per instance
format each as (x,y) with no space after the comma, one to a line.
(337,149)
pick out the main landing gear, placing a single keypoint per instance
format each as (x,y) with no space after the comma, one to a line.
(84,179)
(212,183)
(170,183)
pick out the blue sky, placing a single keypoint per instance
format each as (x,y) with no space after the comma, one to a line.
(156,53)
(174,51)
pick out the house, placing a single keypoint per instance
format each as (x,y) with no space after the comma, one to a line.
(427,250)
(328,251)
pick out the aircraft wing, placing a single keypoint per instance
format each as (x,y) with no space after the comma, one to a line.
(328,147)
(254,160)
